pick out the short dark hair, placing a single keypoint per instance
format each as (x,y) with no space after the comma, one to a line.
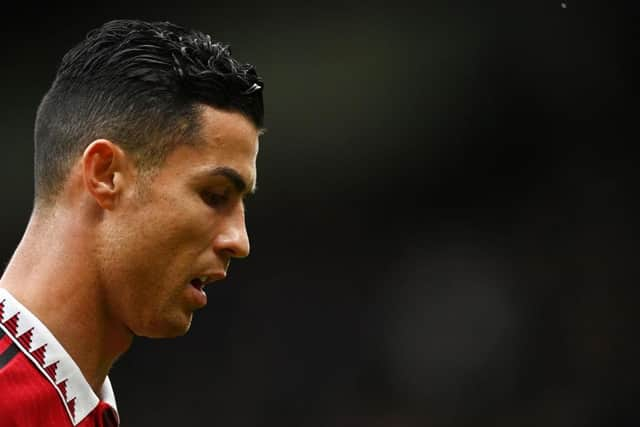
(140,84)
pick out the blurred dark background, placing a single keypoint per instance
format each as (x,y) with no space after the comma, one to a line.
(444,232)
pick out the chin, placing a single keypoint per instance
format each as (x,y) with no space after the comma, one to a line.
(167,328)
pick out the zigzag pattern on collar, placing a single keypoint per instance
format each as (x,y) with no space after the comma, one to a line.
(48,355)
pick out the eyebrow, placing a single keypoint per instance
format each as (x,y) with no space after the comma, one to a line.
(236,179)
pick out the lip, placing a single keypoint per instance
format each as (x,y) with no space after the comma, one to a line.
(213,277)
(198,295)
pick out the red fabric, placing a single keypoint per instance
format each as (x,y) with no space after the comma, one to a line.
(28,399)
(4,343)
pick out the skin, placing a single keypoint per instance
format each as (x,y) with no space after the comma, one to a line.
(114,256)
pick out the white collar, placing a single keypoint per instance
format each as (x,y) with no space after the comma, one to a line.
(47,354)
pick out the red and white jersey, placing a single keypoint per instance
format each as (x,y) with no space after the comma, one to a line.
(40,384)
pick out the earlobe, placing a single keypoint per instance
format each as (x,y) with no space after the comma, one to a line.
(102,161)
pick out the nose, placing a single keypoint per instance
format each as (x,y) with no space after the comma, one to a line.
(233,240)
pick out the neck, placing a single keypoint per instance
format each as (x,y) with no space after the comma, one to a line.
(66,295)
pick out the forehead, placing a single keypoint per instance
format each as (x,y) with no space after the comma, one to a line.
(225,139)
(224,126)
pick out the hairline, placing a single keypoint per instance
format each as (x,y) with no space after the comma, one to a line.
(147,168)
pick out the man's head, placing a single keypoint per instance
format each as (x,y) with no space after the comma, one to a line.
(147,142)
(139,85)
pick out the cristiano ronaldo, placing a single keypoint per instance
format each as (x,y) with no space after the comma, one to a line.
(145,147)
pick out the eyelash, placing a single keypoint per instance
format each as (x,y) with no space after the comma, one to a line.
(215,199)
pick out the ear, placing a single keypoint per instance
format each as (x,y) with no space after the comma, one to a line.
(104,165)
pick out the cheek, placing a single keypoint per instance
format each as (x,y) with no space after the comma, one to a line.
(165,237)
(170,245)
(181,234)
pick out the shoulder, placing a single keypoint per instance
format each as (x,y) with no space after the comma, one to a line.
(27,397)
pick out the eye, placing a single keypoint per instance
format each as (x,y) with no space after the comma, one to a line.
(215,199)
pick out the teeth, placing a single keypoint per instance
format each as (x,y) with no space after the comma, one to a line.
(203,279)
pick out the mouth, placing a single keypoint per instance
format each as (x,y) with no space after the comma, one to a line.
(200,282)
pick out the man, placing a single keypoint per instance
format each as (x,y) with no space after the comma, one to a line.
(145,147)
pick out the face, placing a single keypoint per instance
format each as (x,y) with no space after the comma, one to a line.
(179,232)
